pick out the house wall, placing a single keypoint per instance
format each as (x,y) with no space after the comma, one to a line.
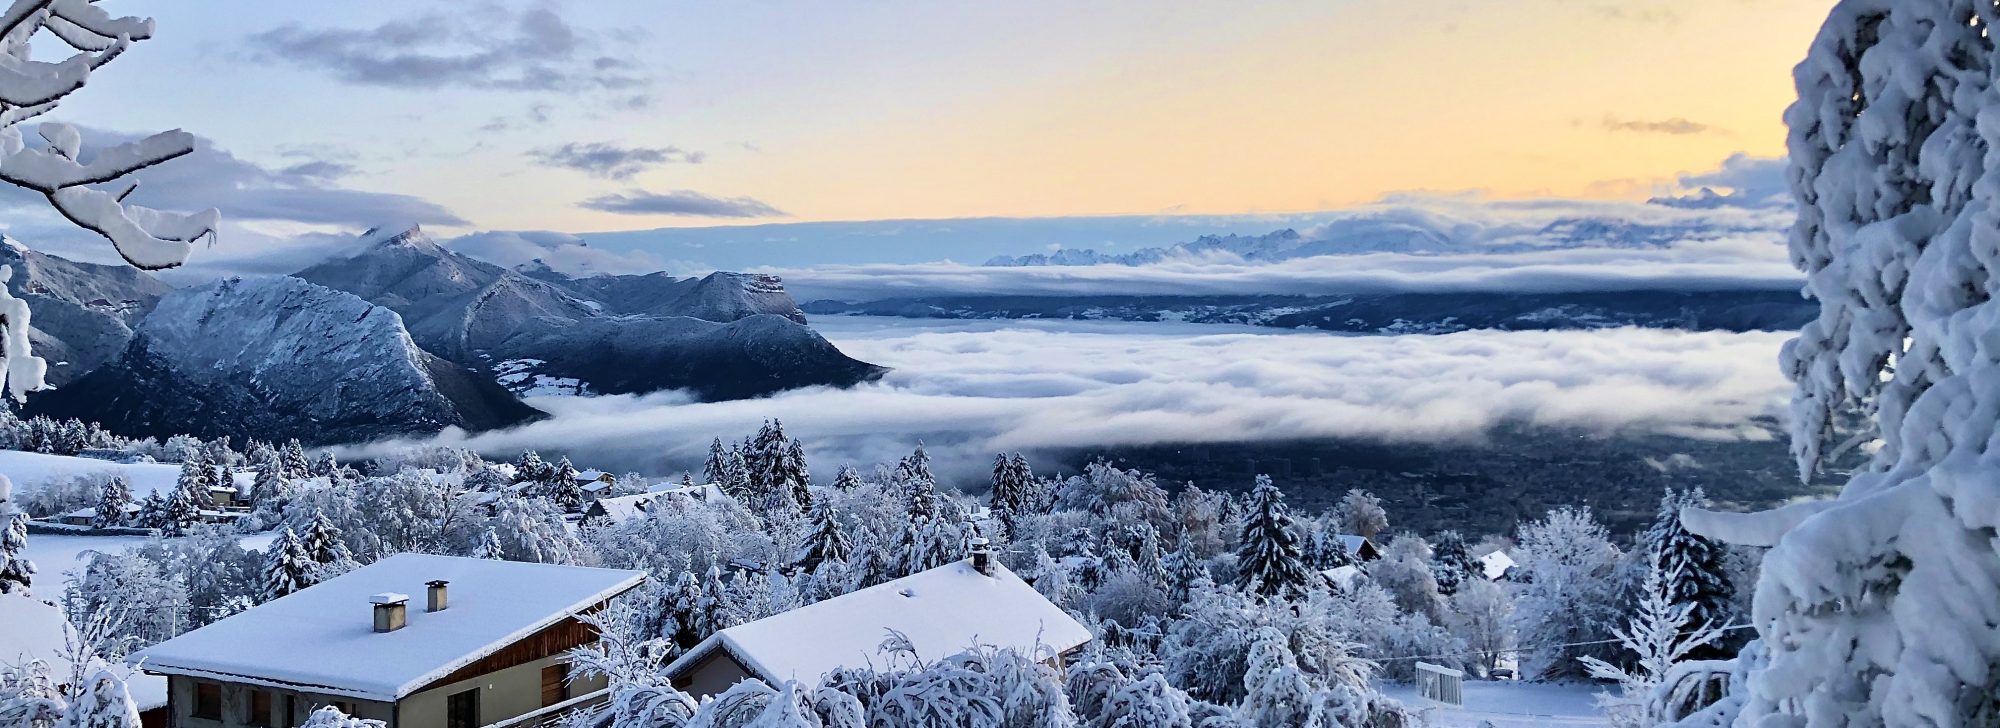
(236,699)
(503,694)
(712,675)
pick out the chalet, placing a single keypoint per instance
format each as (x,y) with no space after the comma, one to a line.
(619,509)
(1359,547)
(942,611)
(595,483)
(1341,577)
(1496,565)
(487,643)
(87,516)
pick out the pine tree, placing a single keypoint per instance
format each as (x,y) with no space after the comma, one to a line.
(287,566)
(271,484)
(1660,635)
(293,457)
(717,468)
(847,479)
(1268,560)
(196,476)
(560,486)
(529,468)
(112,500)
(323,546)
(182,512)
(489,547)
(325,466)
(1184,568)
(827,541)
(1691,566)
(1452,562)
(153,511)
(916,467)
(1013,488)
(798,474)
(16,571)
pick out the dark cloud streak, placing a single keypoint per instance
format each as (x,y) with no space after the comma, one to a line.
(679,202)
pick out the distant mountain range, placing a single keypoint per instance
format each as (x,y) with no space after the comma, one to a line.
(1400,234)
(403,337)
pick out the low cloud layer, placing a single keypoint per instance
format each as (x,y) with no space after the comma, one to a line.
(686,203)
(1722,264)
(969,389)
(562,252)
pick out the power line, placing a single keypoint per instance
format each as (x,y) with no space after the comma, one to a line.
(1729,628)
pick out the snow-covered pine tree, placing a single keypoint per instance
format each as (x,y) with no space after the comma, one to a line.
(846,479)
(1268,559)
(325,466)
(196,477)
(287,566)
(1694,569)
(529,468)
(763,459)
(916,467)
(153,511)
(271,485)
(1452,563)
(1877,607)
(112,499)
(827,540)
(322,545)
(559,485)
(293,457)
(1361,514)
(489,547)
(797,474)
(182,511)
(16,571)
(1184,568)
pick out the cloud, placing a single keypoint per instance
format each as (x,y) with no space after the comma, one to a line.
(481,46)
(679,202)
(610,161)
(969,389)
(1746,181)
(562,252)
(1675,126)
(211,177)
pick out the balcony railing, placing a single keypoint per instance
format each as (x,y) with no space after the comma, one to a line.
(553,715)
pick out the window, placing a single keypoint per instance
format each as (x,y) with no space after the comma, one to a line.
(555,684)
(260,709)
(208,701)
(461,710)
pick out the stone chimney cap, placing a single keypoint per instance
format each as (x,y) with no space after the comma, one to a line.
(979,541)
(389,598)
(436,582)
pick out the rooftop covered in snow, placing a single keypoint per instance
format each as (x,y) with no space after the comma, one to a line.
(942,612)
(323,639)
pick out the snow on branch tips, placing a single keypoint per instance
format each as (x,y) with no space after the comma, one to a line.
(146,238)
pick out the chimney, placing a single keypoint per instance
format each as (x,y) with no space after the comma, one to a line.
(389,613)
(435,601)
(982,557)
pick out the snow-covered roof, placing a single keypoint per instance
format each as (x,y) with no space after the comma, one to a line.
(589,475)
(1353,543)
(1342,576)
(704,491)
(1496,564)
(942,611)
(323,637)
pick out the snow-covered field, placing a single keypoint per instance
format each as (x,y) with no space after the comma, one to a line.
(1507,704)
(29,470)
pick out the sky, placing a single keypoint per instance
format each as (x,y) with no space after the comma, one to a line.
(625,115)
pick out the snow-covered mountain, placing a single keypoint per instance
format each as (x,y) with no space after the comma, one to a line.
(83,313)
(279,357)
(726,336)
(1406,233)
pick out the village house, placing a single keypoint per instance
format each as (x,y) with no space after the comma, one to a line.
(486,643)
(942,612)
(620,509)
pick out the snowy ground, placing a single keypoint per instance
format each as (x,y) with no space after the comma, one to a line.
(29,470)
(1507,704)
(57,555)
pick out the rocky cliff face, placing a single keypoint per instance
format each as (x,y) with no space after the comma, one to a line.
(278,358)
(83,313)
(725,336)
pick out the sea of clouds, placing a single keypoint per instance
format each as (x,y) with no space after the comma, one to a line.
(969,389)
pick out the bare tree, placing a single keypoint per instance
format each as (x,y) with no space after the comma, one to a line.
(86,193)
